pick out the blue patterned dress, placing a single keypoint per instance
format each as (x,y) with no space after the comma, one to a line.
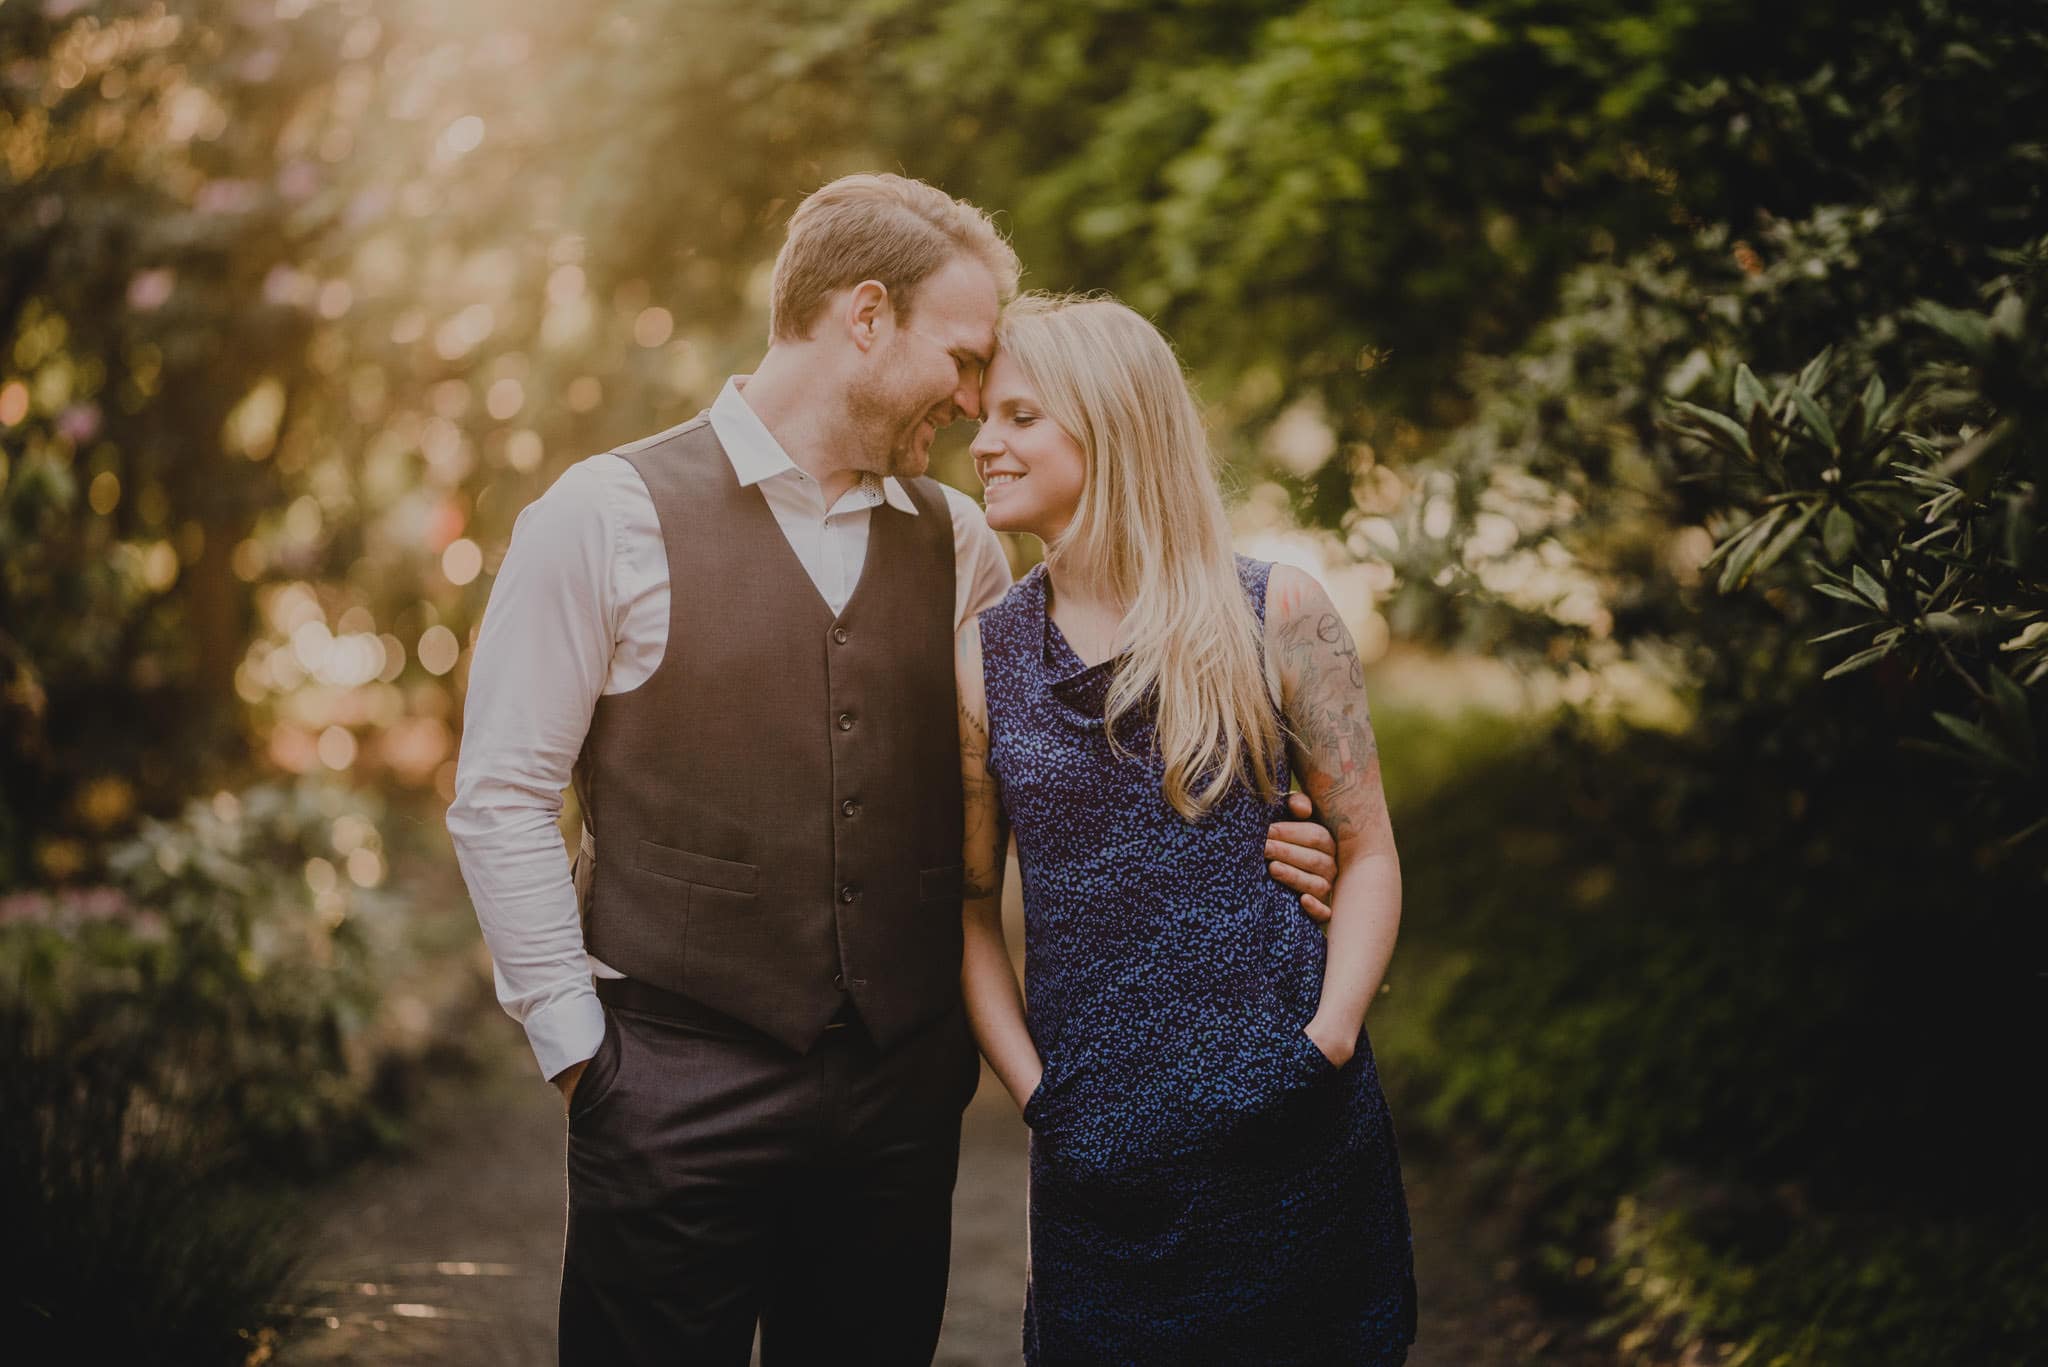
(1205,1186)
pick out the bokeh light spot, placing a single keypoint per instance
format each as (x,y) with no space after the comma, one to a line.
(505,399)
(653,327)
(366,868)
(462,561)
(461,138)
(438,650)
(523,450)
(337,751)
(13,402)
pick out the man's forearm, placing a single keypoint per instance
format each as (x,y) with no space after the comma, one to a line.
(518,879)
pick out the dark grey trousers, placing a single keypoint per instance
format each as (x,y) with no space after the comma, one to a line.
(718,1179)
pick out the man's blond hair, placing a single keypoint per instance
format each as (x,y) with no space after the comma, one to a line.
(876,227)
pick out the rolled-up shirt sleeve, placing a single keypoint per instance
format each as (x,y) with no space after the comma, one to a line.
(541,661)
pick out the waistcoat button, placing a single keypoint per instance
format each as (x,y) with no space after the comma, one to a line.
(839,634)
(846,721)
(850,893)
(849,808)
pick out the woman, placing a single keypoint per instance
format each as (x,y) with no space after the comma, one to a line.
(1213,1174)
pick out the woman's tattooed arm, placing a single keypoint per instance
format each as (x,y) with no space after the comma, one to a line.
(1322,685)
(1330,740)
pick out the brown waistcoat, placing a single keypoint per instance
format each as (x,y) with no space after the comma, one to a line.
(776,812)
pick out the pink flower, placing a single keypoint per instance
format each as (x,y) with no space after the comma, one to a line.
(150,289)
(24,908)
(80,422)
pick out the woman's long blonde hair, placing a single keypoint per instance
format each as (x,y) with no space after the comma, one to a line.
(1151,530)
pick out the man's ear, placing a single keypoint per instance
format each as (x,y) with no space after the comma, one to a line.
(867,312)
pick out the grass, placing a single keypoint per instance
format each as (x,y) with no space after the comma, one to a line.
(129,1239)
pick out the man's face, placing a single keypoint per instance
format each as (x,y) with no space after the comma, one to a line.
(928,372)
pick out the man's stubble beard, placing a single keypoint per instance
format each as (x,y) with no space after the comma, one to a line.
(873,417)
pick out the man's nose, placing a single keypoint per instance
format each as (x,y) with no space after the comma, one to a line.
(967,398)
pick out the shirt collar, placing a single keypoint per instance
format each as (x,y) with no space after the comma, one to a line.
(756,455)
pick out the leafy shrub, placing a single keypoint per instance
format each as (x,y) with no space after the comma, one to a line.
(1754,1025)
(1923,514)
(174,1037)
(129,1236)
(236,940)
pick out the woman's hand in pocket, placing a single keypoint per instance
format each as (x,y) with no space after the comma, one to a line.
(1336,1045)
(1028,1085)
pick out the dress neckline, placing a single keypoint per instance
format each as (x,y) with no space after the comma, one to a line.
(1062,660)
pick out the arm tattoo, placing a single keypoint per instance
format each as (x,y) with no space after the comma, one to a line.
(984,807)
(1331,633)
(1329,719)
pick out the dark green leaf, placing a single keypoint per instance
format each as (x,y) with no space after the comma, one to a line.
(1973,450)
(1734,539)
(1861,659)
(1816,421)
(1749,391)
(1846,595)
(1970,331)
(1815,372)
(1736,571)
(1763,441)
(1735,440)
(1977,739)
(1873,403)
(1838,533)
(1785,537)
(2013,712)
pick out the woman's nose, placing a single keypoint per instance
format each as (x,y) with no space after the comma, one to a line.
(984,444)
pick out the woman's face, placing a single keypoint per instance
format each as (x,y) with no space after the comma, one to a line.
(1031,471)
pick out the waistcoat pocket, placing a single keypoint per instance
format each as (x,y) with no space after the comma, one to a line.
(725,874)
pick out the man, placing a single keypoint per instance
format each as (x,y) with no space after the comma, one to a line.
(735,638)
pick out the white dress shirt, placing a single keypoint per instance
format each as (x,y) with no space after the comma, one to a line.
(579,609)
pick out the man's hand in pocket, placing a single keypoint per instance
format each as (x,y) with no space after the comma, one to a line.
(565,1082)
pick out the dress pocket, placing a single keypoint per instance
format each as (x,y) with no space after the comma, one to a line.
(1034,1105)
(1049,1082)
(1317,1063)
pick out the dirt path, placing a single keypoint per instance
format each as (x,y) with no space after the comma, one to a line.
(448,1254)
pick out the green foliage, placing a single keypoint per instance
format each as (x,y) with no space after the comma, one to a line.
(143,220)
(1305,190)
(128,1239)
(1922,514)
(192,1026)
(1850,340)
(1735,1017)
(232,965)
